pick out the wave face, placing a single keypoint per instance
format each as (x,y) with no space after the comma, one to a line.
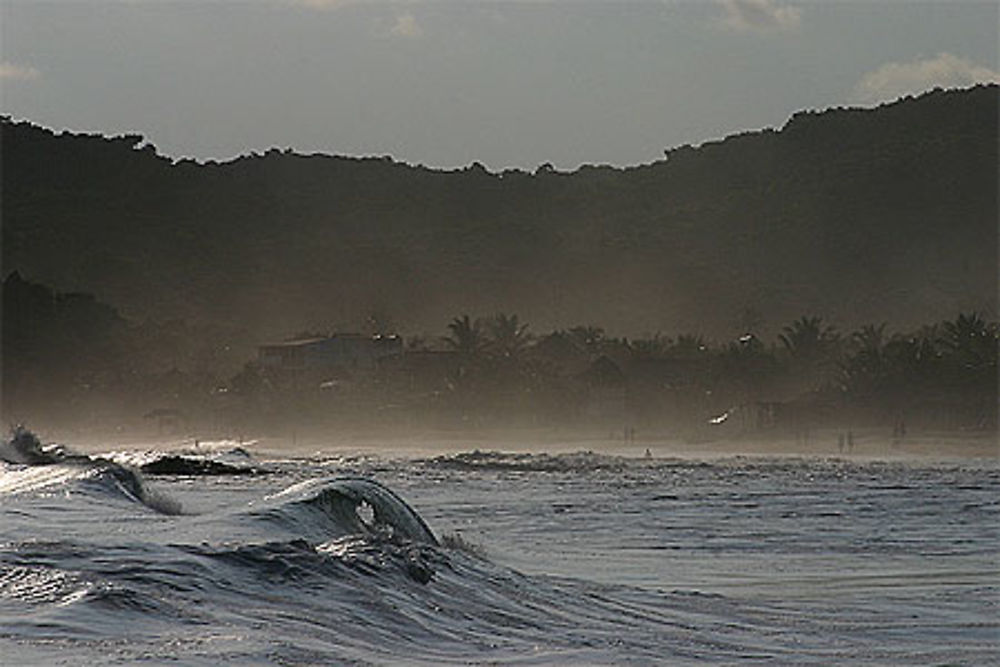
(348,506)
(564,559)
(29,469)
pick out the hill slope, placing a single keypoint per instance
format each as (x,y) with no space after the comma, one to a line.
(858,215)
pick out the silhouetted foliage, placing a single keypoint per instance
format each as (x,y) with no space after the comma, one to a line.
(588,337)
(466,337)
(879,214)
(885,215)
(508,336)
(807,339)
(70,358)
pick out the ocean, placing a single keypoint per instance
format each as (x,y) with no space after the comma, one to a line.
(230,554)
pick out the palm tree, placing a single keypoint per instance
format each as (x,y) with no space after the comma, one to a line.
(509,336)
(811,347)
(913,361)
(870,341)
(970,341)
(466,336)
(807,339)
(870,338)
(864,371)
(969,347)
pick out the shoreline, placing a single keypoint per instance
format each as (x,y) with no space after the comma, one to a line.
(869,443)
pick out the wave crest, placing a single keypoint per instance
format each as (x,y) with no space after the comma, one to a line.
(339,507)
(32,467)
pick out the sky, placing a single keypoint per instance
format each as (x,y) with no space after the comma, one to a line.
(447,83)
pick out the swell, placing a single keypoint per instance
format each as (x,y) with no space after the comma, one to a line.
(341,570)
(201,462)
(585,461)
(325,525)
(26,467)
(341,506)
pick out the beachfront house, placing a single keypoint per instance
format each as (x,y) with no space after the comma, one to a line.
(342,352)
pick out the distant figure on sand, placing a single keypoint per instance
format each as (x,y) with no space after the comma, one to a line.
(898,431)
(850,441)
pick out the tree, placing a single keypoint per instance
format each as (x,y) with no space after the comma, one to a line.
(969,347)
(747,367)
(466,336)
(588,337)
(870,342)
(812,350)
(970,341)
(509,336)
(865,371)
(688,345)
(647,348)
(807,339)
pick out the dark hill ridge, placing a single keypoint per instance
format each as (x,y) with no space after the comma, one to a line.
(858,215)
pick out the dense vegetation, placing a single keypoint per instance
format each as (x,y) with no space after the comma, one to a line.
(71,360)
(865,216)
(886,214)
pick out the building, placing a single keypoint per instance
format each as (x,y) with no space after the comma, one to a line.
(337,353)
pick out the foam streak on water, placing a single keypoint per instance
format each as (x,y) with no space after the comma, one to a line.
(497,558)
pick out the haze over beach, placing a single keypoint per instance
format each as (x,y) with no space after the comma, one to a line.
(438,332)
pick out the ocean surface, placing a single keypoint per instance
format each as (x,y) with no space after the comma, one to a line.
(225,555)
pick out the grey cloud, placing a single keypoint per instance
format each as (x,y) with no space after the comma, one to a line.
(760,15)
(945,70)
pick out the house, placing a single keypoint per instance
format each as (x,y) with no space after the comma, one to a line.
(348,352)
(559,352)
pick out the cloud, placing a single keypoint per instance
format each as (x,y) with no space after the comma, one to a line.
(760,16)
(894,80)
(407,26)
(12,72)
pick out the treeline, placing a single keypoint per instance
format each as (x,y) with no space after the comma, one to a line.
(864,215)
(73,361)
(70,359)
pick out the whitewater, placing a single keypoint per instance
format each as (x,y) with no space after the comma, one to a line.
(229,554)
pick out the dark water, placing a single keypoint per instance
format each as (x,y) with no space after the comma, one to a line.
(216,557)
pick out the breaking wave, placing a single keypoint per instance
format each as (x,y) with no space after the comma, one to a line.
(201,462)
(342,570)
(585,461)
(338,507)
(30,468)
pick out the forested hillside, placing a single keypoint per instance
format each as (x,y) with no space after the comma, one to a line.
(886,214)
